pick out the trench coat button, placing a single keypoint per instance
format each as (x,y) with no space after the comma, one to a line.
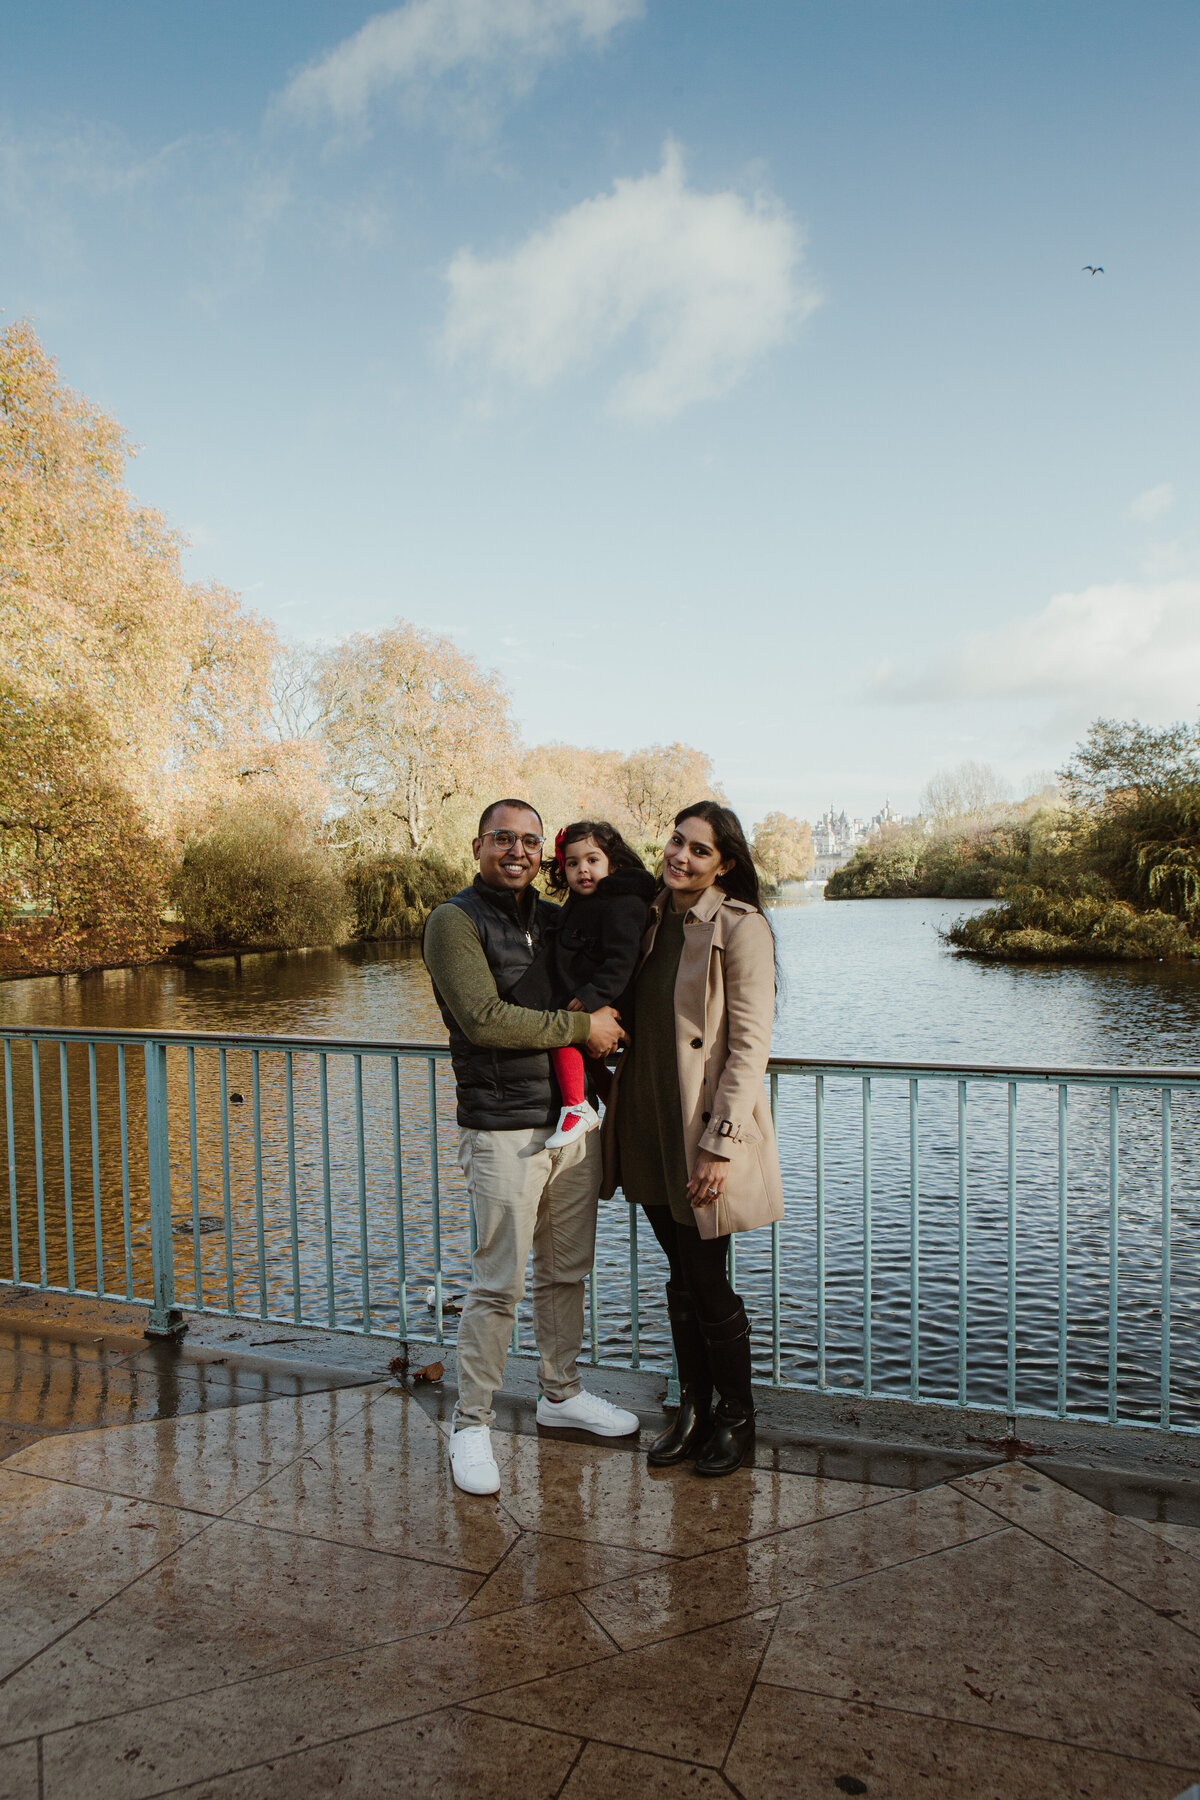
(705,1117)
(697,1043)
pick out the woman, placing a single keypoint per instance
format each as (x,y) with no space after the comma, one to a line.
(688,1131)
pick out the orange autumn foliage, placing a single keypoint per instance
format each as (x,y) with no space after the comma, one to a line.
(82,875)
(128,691)
(410,724)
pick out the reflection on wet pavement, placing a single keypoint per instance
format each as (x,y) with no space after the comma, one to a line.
(234,1583)
(52,1382)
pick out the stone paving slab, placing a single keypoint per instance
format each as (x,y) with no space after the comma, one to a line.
(231,1603)
(382,1482)
(439,1755)
(289,1597)
(1001,1632)
(705,1590)
(166,1745)
(683,1698)
(65,1551)
(1150,1567)
(797,1746)
(56,1377)
(19,1772)
(206,1462)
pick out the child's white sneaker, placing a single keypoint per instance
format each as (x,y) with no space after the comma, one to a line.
(574,1122)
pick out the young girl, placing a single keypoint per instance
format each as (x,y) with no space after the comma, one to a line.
(595,945)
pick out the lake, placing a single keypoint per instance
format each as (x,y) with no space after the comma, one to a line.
(870,980)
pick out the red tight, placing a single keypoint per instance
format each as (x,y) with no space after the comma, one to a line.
(568,1072)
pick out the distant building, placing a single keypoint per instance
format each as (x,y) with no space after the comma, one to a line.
(836,837)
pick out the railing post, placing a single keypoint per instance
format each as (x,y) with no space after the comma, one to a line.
(166,1319)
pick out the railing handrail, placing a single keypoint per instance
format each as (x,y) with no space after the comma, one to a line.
(1108,1076)
(342,1207)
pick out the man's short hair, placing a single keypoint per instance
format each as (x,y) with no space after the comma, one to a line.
(489,812)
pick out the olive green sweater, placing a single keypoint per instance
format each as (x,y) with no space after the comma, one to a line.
(455,959)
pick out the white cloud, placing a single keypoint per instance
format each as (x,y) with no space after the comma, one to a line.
(416,46)
(53,183)
(1172,556)
(708,281)
(1153,504)
(1121,649)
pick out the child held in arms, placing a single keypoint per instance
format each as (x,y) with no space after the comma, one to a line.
(594,949)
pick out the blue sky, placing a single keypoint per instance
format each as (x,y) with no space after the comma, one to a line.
(723,372)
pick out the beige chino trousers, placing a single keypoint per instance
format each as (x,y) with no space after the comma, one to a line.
(525,1198)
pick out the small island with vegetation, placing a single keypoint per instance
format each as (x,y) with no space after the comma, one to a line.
(1102,864)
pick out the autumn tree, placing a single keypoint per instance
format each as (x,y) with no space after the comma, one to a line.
(296,708)
(566,782)
(256,872)
(126,687)
(94,609)
(970,790)
(82,873)
(411,725)
(657,781)
(783,848)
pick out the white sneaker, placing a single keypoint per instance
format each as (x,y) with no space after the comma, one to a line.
(471,1461)
(574,1122)
(588,1412)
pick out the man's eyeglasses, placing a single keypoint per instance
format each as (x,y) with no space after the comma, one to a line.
(506,840)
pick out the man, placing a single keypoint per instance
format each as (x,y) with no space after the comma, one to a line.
(477,947)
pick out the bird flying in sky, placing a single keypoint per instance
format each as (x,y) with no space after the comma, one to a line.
(1091,269)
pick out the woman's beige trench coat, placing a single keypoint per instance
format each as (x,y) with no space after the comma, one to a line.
(724,1004)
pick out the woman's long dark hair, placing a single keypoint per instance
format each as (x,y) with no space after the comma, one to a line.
(740,882)
(607,838)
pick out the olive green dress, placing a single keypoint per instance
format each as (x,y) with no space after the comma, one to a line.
(649,1114)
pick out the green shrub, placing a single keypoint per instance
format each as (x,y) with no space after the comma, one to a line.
(888,868)
(1151,845)
(255,875)
(392,896)
(972,881)
(1036,925)
(972,863)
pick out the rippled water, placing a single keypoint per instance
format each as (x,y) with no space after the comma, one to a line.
(869,980)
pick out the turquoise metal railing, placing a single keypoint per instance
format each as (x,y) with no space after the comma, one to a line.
(1026,1239)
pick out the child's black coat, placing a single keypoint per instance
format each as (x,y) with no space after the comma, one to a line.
(599,936)
(594,945)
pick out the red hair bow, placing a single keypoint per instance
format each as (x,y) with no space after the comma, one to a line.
(558,846)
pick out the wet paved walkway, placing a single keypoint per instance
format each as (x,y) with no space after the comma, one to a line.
(252,1598)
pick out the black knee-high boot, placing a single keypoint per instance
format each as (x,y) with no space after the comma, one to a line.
(732,1436)
(693,1421)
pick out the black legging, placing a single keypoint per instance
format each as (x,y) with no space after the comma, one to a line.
(698,1264)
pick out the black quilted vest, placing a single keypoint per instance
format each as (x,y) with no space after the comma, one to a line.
(502,1090)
